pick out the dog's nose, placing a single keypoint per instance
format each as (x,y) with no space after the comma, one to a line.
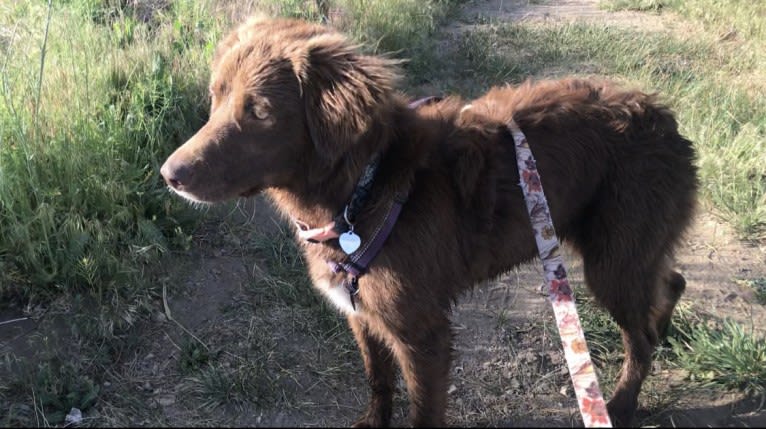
(176,173)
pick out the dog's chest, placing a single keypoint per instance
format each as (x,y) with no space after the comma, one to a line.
(337,293)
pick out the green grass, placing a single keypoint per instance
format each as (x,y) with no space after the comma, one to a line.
(605,341)
(401,26)
(92,99)
(720,17)
(216,385)
(381,26)
(83,206)
(194,356)
(758,285)
(284,276)
(637,5)
(723,354)
(742,16)
(50,389)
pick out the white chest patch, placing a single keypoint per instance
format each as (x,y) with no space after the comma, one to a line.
(338,295)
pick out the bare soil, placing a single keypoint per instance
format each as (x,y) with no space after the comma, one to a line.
(508,370)
(475,12)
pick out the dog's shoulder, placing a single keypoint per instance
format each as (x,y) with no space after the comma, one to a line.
(463,146)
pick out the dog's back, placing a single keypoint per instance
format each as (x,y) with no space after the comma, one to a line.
(609,159)
(597,143)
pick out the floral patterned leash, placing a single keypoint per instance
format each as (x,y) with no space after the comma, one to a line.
(589,398)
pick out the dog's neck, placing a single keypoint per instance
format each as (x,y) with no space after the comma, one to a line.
(322,192)
(319,194)
(303,207)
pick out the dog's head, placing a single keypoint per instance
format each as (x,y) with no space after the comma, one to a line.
(285,96)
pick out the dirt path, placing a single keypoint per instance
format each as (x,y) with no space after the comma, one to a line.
(476,11)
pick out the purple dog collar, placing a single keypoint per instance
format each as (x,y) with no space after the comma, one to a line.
(356,264)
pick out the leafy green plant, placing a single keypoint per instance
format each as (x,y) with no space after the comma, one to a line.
(247,382)
(193,357)
(637,5)
(52,388)
(723,354)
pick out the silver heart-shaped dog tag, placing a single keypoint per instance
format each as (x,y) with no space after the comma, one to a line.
(349,242)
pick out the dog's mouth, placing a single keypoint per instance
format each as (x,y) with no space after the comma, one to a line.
(250,192)
(211,197)
(189,196)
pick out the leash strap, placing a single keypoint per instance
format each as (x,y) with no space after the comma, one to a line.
(589,397)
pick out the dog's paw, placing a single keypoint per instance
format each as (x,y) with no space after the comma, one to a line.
(378,414)
(367,422)
(621,413)
(379,418)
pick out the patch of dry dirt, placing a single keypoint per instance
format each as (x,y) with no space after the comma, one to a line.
(476,12)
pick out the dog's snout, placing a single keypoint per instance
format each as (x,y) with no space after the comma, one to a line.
(176,173)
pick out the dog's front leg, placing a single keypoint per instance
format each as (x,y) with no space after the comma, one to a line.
(380,370)
(423,348)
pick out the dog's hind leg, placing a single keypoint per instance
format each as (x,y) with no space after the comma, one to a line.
(627,237)
(625,294)
(671,288)
(640,336)
(640,294)
(380,370)
(631,276)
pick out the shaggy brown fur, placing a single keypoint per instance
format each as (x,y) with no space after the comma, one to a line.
(298,112)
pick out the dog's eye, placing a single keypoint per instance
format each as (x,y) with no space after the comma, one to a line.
(260,112)
(259,109)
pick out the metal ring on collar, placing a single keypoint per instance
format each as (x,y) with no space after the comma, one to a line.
(345,217)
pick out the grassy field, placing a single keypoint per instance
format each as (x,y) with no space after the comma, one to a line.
(96,93)
(716,83)
(93,100)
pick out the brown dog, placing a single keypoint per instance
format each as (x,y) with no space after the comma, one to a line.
(298,112)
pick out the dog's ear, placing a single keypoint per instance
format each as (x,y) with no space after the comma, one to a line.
(247,30)
(343,91)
